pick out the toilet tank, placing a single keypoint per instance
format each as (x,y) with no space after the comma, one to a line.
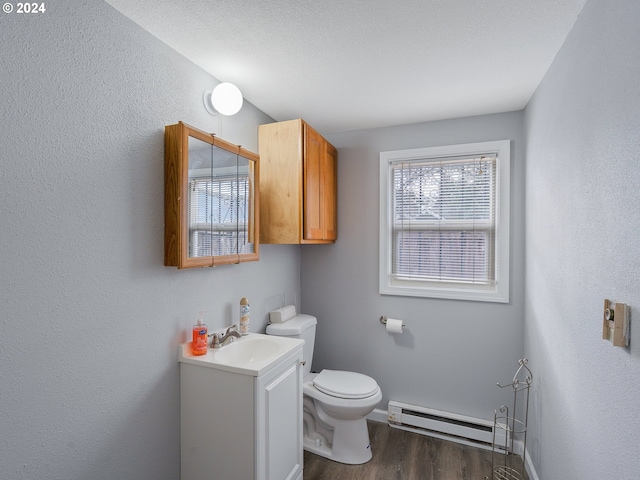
(300,326)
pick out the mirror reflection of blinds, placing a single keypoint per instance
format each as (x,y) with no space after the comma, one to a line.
(218,215)
(443,214)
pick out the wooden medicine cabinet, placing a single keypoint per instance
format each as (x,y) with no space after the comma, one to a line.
(211,200)
(298,184)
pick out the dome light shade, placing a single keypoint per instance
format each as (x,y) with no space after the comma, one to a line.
(226,98)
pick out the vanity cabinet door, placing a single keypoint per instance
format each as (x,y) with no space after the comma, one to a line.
(279,436)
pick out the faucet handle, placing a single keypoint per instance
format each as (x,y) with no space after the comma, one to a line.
(215,341)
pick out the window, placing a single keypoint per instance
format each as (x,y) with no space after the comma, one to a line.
(218,215)
(444,222)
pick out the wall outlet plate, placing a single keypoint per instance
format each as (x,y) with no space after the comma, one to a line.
(616,323)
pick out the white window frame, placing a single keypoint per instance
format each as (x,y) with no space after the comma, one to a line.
(499,291)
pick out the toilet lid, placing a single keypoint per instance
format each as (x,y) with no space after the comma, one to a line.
(338,383)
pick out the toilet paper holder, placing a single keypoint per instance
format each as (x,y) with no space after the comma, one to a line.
(383,320)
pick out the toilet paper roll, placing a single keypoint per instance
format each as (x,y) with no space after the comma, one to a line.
(394,326)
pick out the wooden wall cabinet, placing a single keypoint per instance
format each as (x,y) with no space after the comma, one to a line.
(298,184)
(211,201)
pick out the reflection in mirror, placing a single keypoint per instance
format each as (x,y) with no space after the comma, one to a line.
(199,174)
(219,196)
(245,194)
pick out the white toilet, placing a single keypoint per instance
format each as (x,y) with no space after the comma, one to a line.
(335,402)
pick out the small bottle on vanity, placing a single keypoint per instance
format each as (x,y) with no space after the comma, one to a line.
(244,316)
(199,337)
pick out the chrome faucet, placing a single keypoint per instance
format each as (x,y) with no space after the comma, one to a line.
(227,337)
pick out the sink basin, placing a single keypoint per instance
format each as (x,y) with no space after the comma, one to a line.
(247,350)
(252,354)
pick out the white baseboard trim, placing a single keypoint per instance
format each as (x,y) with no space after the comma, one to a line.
(378,415)
(531,470)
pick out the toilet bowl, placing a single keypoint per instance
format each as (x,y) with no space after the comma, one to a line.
(335,402)
(341,421)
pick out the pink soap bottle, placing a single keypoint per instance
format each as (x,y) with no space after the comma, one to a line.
(199,338)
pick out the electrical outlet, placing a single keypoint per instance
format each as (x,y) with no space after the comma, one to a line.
(615,323)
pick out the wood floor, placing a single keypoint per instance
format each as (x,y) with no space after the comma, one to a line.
(402,455)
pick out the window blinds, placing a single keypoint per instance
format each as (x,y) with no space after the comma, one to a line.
(216,219)
(443,220)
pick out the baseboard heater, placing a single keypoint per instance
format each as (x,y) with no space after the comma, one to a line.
(445,425)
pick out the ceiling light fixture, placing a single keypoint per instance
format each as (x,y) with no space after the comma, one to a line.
(225,98)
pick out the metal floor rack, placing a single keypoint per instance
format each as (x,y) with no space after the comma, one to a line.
(513,420)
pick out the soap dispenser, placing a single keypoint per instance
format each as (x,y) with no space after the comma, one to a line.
(199,337)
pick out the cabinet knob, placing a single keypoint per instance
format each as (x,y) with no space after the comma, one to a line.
(303,362)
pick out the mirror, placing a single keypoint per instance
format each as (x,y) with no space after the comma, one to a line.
(217,223)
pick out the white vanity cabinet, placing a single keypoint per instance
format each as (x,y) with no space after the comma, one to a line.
(241,423)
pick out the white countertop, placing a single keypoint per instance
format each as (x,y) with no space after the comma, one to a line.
(254,354)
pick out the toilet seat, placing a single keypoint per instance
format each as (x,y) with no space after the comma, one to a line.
(341,384)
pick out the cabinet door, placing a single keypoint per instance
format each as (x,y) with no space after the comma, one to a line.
(330,192)
(281,437)
(281,182)
(211,190)
(320,212)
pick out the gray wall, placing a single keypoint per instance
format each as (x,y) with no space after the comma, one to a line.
(452,352)
(90,319)
(583,245)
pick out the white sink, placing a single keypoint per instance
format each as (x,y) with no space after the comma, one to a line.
(250,355)
(251,349)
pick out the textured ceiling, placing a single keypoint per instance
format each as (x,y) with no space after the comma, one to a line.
(356,64)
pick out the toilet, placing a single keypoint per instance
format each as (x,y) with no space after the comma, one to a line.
(335,402)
